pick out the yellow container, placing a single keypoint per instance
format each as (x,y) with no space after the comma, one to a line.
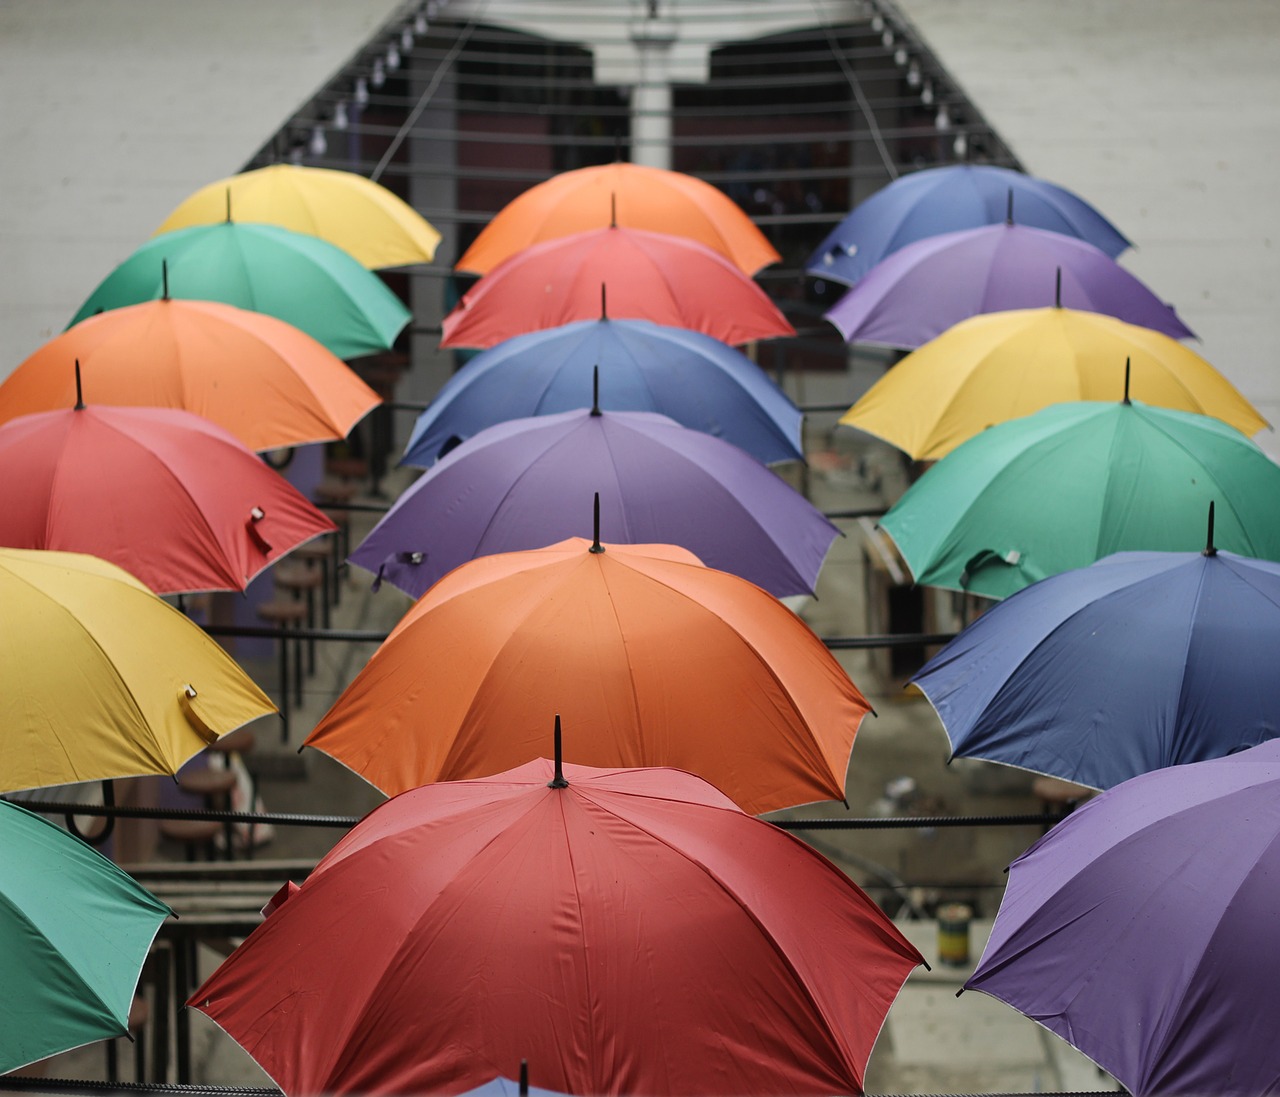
(953,933)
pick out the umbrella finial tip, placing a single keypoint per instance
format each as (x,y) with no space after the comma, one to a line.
(558,778)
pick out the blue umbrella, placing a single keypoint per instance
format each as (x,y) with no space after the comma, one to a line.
(698,381)
(1140,661)
(961,196)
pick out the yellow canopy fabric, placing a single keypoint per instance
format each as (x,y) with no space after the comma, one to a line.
(1004,365)
(100,678)
(364,218)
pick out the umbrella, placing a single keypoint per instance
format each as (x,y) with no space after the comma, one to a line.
(1075,482)
(632,195)
(1141,929)
(374,225)
(626,931)
(1139,661)
(74,931)
(698,381)
(174,500)
(923,289)
(645,275)
(102,678)
(1005,365)
(656,658)
(948,199)
(527,483)
(255,376)
(302,280)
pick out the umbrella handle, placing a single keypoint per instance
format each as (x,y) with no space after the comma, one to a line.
(185,696)
(251,524)
(985,558)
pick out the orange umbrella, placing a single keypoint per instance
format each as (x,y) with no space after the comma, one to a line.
(257,377)
(646,276)
(632,195)
(651,658)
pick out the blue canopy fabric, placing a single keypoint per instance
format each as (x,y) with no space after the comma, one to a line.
(1140,661)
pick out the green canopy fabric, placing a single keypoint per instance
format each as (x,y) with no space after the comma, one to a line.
(1075,482)
(74,931)
(300,279)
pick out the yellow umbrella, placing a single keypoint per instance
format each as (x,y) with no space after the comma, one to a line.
(100,678)
(1004,365)
(363,218)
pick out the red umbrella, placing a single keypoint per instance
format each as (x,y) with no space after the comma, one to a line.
(647,276)
(625,931)
(171,498)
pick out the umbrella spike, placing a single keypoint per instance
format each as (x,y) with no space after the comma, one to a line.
(596,546)
(164,279)
(1209,548)
(229,205)
(1127,366)
(604,302)
(558,781)
(79,392)
(1008,214)
(1057,289)
(613,209)
(524,1077)
(595,390)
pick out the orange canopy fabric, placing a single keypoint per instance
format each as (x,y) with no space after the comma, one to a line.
(632,195)
(621,273)
(649,657)
(257,377)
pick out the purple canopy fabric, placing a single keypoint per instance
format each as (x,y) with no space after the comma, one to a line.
(1141,929)
(919,291)
(530,482)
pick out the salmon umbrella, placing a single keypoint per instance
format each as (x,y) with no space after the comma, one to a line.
(371,223)
(74,932)
(625,931)
(654,658)
(1005,365)
(632,195)
(257,377)
(300,279)
(100,678)
(624,273)
(173,499)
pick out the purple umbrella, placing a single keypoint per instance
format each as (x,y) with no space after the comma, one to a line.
(1141,929)
(529,483)
(924,288)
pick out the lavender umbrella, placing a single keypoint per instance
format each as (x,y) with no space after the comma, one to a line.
(919,291)
(1141,929)
(529,483)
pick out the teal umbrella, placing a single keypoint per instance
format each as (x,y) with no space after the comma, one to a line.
(74,931)
(1060,489)
(300,279)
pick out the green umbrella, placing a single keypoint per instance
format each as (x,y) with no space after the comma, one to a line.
(74,931)
(1059,489)
(300,279)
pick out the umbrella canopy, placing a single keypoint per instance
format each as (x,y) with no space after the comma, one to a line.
(302,280)
(949,199)
(74,931)
(625,931)
(1076,482)
(923,289)
(629,274)
(698,381)
(374,225)
(1140,661)
(173,499)
(102,678)
(632,195)
(1141,929)
(255,376)
(652,659)
(529,483)
(1006,365)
